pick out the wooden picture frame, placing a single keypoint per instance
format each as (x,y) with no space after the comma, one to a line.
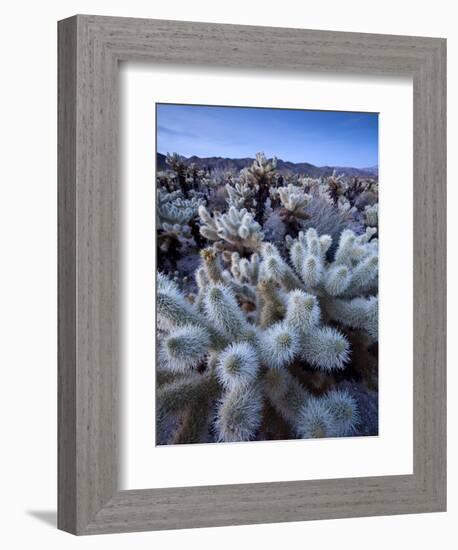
(90,48)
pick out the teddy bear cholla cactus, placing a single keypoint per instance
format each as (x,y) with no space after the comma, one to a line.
(346,287)
(371,215)
(335,186)
(262,173)
(234,231)
(262,167)
(312,206)
(238,360)
(294,202)
(178,165)
(243,357)
(239,194)
(293,199)
(174,212)
(175,221)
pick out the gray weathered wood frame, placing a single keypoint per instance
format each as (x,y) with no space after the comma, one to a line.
(90,48)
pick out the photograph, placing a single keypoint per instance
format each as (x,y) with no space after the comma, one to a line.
(266,274)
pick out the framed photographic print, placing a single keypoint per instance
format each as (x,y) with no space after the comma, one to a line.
(251,275)
(225,224)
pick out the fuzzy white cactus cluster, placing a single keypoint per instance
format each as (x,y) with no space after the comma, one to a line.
(371,214)
(262,167)
(174,213)
(174,219)
(294,200)
(247,354)
(262,335)
(236,230)
(239,194)
(347,286)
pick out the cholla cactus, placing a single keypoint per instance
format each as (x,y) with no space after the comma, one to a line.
(263,168)
(328,218)
(165,182)
(309,184)
(262,335)
(177,164)
(294,200)
(344,206)
(344,412)
(315,419)
(262,171)
(369,195)
(217,339)
(175,222)
(234,231)
(185,348)
(239,414)
(335,415)
(294,203)
(240,195)
(335,186)
(358,313)
(188,396)
(355,189)
(346,287)
(371,215)
(245,270)
(286,394)
(238,365)
(173,210)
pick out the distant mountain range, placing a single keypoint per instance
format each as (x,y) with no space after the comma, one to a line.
(284,167)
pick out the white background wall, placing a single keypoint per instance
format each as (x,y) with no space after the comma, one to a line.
(28,271)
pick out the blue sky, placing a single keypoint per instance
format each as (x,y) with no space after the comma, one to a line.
(320,137)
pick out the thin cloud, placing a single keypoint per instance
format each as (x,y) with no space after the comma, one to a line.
(175,133)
